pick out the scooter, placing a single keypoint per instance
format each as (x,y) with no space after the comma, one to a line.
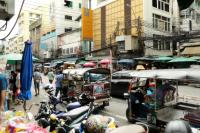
(68,119)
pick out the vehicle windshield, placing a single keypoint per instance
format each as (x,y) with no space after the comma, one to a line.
(93,77)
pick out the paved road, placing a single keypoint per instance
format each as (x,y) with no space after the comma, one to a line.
(116,108)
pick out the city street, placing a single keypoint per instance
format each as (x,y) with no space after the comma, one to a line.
(117,107)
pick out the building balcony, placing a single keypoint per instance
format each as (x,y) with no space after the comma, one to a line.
(35,24)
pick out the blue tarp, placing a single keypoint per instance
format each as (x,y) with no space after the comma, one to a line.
(26,72)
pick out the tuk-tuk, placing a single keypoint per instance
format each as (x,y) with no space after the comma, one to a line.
(94,82)
(158,101)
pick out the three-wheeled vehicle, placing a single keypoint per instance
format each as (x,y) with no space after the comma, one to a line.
(94,82)
(158,101)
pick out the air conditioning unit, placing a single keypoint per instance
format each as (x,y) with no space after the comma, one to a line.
(7,9)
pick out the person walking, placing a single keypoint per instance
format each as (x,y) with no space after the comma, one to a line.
(37,78)
(3,88)
(50,76)
(12,83)
(18,85)
(58,82)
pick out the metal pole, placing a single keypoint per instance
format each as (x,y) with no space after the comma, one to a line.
(111,57)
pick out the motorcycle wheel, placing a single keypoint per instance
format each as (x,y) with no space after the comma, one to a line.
(129,116)
(60,130)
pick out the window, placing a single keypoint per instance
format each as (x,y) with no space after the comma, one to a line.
(159,44)
(68,17)
(37,16)
(30,14)
(71,50)
(161,4)
(63,51)
(154,2)
(68,3)
(67,51)
(79,5)
(161,22)
(68,29)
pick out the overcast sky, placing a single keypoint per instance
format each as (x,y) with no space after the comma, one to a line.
(29,4)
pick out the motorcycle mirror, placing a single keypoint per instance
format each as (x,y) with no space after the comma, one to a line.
(126,95)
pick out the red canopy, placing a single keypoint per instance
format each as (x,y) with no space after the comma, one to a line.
(89,64)
(105,61)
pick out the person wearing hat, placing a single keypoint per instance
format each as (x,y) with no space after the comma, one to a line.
(140,67)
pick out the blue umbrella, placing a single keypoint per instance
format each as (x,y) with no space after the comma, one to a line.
(26,73)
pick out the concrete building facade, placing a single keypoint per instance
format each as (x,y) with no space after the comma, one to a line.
(40,27)
(120,22)
(70,42)
(190,17)
(64,14)
(25,19)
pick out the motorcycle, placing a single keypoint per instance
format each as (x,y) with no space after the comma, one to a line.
(67,120)
(48,108)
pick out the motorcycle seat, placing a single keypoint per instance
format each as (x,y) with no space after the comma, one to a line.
(73,105)
(73,114)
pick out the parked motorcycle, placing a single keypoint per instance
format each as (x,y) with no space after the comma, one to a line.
(67,120)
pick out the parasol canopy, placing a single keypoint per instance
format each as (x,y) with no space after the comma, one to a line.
(26,72)
(89,64)
(105,61)
(163,58)
(182,59)
(127,61)
(12,58)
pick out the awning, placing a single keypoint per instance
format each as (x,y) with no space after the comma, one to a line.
(127,61)
(181,59)
(191,51)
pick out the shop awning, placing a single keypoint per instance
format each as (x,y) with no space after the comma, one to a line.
(191,51)
(181,59)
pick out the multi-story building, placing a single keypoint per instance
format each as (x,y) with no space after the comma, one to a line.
(40,27)
(25,19)
(121,22)
(64,15)
(190,17)
(70,42)
(190,22)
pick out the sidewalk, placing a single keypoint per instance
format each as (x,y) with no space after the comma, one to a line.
(35,99)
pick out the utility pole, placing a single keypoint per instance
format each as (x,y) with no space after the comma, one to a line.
(111,67)
(139,31)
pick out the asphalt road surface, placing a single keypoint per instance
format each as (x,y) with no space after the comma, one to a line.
(118,106)
(116,109)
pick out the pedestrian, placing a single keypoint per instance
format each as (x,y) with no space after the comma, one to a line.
(58,82)
(50,76)
(12,83)
(3,87)
(37,78)
(18,85)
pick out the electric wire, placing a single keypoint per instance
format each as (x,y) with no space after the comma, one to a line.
(14,22)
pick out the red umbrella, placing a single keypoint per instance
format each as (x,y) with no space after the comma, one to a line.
(105,61)
(89,64)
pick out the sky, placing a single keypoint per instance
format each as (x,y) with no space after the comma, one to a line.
(28,4)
